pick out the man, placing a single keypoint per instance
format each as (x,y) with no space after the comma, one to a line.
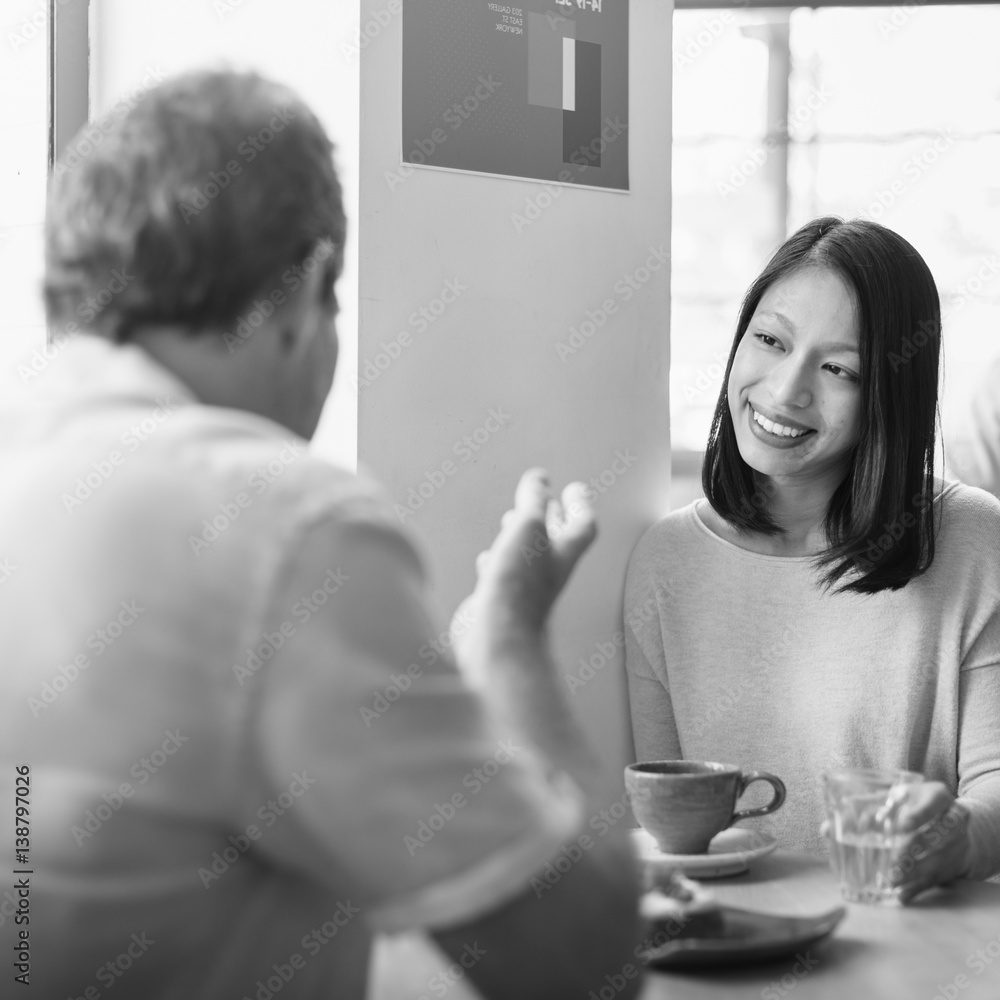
(243,740)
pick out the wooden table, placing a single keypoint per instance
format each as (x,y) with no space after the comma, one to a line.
(876,953)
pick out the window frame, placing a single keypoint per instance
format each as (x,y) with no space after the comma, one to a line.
(69,72)
(814,4)
(68,77)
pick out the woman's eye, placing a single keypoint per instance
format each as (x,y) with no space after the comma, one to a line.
(842,372)
(766,339)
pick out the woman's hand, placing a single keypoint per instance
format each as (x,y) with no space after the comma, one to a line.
(938,850)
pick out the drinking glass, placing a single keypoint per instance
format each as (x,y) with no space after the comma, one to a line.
(862,808)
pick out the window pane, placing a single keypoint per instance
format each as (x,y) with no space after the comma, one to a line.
(910,137)
(884,122)
(725,200)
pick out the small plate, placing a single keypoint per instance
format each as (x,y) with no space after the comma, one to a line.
(734,937)
(729,853)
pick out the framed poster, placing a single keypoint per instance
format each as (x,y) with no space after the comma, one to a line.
(536,90)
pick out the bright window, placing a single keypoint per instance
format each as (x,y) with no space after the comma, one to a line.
(892,114)
(23,171)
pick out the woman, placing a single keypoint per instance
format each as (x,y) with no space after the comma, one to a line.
(831,603)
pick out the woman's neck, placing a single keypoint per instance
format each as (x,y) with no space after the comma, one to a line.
(800,509)
(798,506)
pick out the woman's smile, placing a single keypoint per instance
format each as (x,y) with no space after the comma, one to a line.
(776,430)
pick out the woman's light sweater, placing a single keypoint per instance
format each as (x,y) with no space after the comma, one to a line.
(741,657)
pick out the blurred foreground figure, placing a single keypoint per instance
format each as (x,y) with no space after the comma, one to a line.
(243,741)
(973,452)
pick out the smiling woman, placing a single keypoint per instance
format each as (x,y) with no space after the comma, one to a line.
(837,299)
(849,597)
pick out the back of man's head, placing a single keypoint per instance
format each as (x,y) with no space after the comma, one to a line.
(191,204)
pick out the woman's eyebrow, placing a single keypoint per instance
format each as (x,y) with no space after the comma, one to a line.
(780,317)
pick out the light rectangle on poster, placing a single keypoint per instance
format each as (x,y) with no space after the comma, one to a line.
(569,74)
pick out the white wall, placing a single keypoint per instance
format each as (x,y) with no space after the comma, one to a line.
(495,348)
(304,43)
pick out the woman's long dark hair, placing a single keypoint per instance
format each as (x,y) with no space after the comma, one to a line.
(880,522)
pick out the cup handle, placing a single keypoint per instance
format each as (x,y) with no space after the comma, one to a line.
(776,802)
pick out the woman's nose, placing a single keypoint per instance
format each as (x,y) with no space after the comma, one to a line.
(790,384)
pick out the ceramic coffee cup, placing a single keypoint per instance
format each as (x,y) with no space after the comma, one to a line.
(685,803)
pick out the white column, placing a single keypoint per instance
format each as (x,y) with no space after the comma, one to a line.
(497,348)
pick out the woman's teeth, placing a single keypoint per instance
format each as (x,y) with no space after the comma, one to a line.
(779,429)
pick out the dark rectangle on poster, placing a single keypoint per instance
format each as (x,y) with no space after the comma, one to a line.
(582,127)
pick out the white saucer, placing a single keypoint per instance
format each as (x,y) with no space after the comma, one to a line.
(729,853)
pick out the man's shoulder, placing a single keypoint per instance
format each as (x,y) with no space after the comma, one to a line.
(228,480)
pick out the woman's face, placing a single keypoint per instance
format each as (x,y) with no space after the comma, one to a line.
(794,388)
